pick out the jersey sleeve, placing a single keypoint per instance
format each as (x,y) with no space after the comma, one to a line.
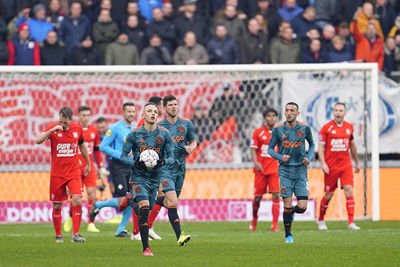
(191,132)
(272,143)
(169,149)
(310,141)
(322,135)
(96,138)
(47,129)
(126,149)
(254,140)
(108,139)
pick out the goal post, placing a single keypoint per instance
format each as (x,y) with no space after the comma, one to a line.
(206,81)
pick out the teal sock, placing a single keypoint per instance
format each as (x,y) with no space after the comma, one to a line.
(126,215)
(113,202)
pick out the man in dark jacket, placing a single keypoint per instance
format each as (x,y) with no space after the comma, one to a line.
(254,48)
(86,54)
(270,13)
(23,49)
(314,54)
(136,34)
(155,54)
(105,31)
(222,49)
(304,22)
(163,28)
(52,51)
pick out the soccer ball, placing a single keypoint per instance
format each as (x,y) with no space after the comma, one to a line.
(149,157)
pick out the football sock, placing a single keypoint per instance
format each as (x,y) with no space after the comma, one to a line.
(76,219)
(287,220)
(296,209)
(153,214)
(144,226)
(112,202)
(275,211)
(256,206)
(89,207)
(322,208)
(160,201)
(70,209)
(126,215)
(135,219)
(57,221)
(350,208)
(175,222)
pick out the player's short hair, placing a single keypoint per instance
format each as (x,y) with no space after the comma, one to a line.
(66,112)
(101,120)
(149,104)
(341,103)
(168,98)
(156,100)
(127,104)
(83,108)
(292,103)
(270,110)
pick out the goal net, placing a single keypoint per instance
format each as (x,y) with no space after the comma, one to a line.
(225,103)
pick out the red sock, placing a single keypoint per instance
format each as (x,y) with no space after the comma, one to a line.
(89,207)
(256,206)
(70,209)
(76,219)
(57,221)
(275,211)
(135,223)
(153,214)
(322,208)
(350,208)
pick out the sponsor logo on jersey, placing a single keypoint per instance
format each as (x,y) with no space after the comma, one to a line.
(59,134)
(339,144)
(108,133)
(181,129)
(143,148)
(75,134)
(300,134)
(264,138)
(177,139)
(159,140)
(92,135)
(141,140)
(66,149)
(289,144)
(320,137)
(283,135)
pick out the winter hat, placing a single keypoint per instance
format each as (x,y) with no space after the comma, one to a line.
(38,7)
(23,26)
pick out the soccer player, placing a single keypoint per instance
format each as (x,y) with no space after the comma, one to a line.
(65,138)
(145,182)
(335,139)
(265,169)
(290,136)
(92,141)
(120,173)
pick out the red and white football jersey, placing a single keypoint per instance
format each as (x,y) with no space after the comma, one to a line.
(64,150)
(337,143)
(260,141)
(92,139)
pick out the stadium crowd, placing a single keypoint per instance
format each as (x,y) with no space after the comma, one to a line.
(128,32)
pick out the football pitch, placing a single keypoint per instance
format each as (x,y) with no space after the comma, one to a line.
(212,244)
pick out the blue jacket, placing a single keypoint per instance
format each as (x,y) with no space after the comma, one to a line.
(114,139)
(70,34)
(23,53)
(308,57)
(289,14)
(223,51)
(146,7)
(339,56)
(38,29)
(300,26)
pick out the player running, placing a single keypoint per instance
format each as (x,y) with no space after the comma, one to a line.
(265,169)
(65,138)
(335,140)
(290,136)
(92,141)
(145,182)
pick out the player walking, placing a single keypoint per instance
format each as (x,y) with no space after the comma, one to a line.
(65,138)
(265,169)
(293,160)
(145,182)
(335,139)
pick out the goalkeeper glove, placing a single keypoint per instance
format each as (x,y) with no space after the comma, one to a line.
(140,165)
(160,162)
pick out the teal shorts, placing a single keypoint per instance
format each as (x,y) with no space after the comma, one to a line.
(145,189)
(172,179)
(293,179)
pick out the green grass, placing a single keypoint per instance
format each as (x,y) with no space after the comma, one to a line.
(212,244)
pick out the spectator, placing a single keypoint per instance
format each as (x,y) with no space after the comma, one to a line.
(118,8)
(328,32)
(339,52)
(4,53)
(8,9)
(85,54)
(254,46)
(91,9)
(369,47)
(386,15)
(203,125)
(395,28)
(190,53)
(311,34)
(270,13)
(304,22)
(290,10)
(389,63)
(132,8)
(286,50)
(344,31)
(220,13)
(147,7)
(25,10)
(136,34)
(3,29)
(24,50)
(313,53)
(55,15)
(122,52)
(52,51)
(282,26)
(105,31)
(38,26)
(262,22)
(168,12)
(325,11)
(74,28)
(155,54)
(163,28)
(222,49)
(233,24)
(365,17)
(190,21)
(345,9)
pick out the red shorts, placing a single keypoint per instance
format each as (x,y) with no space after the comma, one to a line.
(262,181)
(89,180)
(330,180)
(59,184)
